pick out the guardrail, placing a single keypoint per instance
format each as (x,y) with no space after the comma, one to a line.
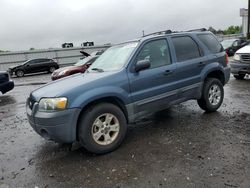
(225,37)
(64,56)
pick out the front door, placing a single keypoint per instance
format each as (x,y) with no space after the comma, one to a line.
(153,89)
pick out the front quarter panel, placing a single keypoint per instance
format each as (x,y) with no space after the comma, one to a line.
(108,91)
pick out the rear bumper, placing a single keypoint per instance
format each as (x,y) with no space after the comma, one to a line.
(227,71)
(238,67)
(7,86)
(57,126)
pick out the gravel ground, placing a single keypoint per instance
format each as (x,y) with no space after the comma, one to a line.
(178,147)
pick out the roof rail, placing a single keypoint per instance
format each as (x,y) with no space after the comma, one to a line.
(158,33)
(201,29)
(169,32)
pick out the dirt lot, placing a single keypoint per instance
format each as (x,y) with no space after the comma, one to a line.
(180,147)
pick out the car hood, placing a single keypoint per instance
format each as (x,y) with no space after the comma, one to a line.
(69,68)
(64,86)
(244,50)
(14,67)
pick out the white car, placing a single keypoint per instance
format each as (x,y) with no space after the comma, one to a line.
(240,66)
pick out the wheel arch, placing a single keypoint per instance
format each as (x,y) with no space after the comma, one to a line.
(110,99)
(216,74)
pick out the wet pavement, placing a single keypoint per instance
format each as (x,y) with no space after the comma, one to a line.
(179,147)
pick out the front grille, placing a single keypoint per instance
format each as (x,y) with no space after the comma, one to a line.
(245,58)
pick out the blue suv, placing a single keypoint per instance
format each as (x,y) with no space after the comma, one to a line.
(127,82)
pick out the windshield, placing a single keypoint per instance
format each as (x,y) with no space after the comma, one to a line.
(25,62)
(227,43)
(83,61)
(114,58)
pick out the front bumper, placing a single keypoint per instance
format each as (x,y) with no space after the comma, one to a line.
(7,86)
(58,126)
(238,67)
(11,72)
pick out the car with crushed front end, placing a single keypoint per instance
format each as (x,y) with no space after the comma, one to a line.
(79,67)
(128,82)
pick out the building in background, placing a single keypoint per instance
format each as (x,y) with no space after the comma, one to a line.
(244,15)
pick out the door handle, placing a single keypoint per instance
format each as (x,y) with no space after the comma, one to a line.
(167,72)
(201,64)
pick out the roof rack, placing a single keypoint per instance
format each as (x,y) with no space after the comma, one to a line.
(158,33)
(201,29)
(169,32)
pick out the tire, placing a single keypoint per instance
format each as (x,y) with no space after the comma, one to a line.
(239,76)
(93,128)
(52,69)
(212,95)
(19,73)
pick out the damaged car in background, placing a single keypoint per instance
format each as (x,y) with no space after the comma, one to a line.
(80,67)
(240,65)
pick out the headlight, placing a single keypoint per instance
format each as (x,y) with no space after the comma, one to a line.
(52,104)
(237,57)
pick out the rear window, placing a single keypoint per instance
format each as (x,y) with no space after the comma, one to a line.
(210,42)
(185,48)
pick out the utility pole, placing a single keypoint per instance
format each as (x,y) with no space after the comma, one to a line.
(248,25)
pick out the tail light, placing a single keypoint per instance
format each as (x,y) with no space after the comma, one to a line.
(227,59)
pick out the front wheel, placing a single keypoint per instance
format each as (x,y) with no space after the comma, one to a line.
(19,73)
(52,69)
(102,128)
(212,95)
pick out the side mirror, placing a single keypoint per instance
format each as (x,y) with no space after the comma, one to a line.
(141,65)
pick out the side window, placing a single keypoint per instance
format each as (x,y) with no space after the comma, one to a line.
(210,42)
(157,52)
(31,62)
(236,43)
(185,48)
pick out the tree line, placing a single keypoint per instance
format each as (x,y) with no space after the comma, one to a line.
(228,31)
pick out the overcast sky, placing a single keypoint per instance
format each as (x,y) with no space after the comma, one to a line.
(49,23)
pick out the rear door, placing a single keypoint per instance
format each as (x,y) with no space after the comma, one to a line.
(45,64)
(154,88)
(190,61)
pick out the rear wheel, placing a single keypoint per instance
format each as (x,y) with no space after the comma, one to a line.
(52,69)
(102,128)
(212,95)
(239,76)
(19,73)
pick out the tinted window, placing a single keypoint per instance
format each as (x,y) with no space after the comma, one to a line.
(31,62)
(185,48)
(210,42)
(45,60)
(157,52)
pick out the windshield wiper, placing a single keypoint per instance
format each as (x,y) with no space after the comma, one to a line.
(97,69)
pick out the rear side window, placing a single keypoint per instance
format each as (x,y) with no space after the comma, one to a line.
(185,48)
(210,42)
